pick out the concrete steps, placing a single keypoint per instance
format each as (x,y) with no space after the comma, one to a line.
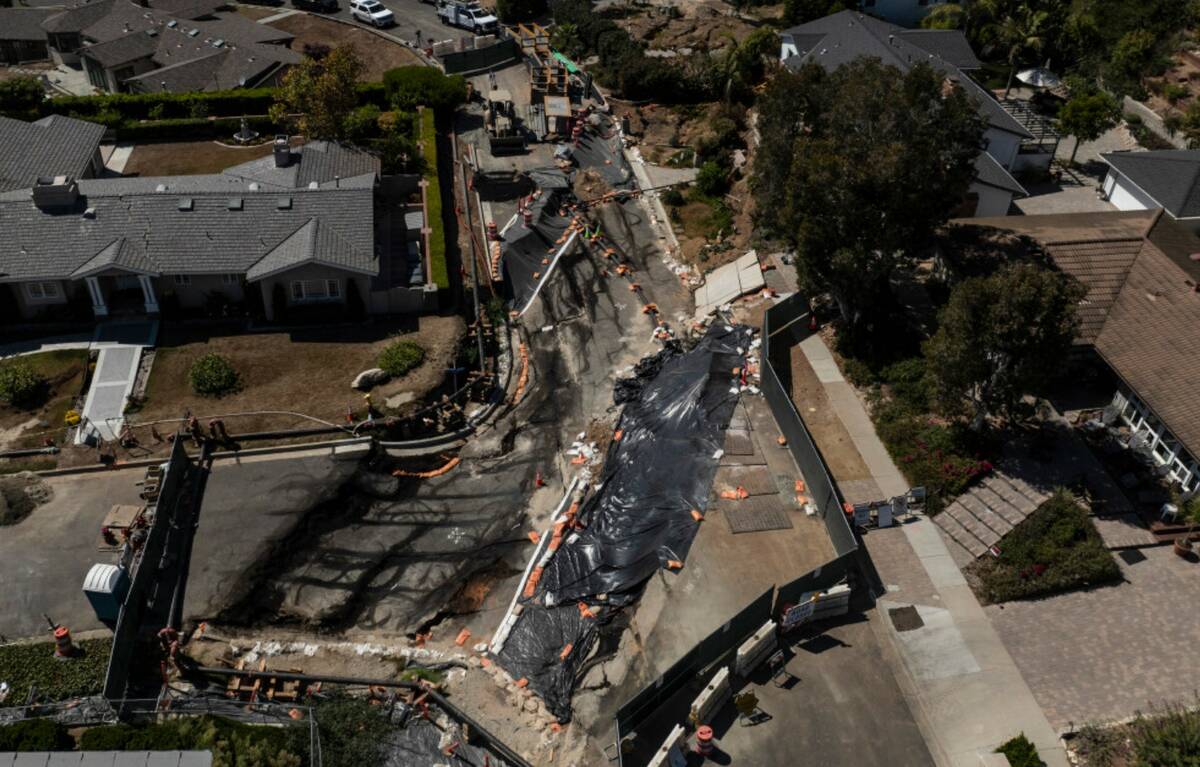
(983,515)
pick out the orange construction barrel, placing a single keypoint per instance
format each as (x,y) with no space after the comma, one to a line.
(62,643)
(704,740)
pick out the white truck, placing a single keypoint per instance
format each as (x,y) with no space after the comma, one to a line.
(467,15)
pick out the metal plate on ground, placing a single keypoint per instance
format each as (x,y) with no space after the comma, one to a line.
(758,480)
(738,442)
(755,518)
(906,618)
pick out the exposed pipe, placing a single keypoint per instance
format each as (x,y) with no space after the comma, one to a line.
(30,451)
(493,742)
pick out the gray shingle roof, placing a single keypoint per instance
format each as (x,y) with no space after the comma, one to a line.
(123,49)
(52,146)
(992,173)
(319,161)
(313,243)
(163,236)
(107,759)
(23,24)
(847,35)
(1171,177)
(78,17)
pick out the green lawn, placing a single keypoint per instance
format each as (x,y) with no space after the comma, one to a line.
(1055,549)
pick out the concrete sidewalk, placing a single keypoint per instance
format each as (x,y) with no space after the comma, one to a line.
(966,690)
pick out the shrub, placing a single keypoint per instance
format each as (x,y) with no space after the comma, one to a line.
(1055,549)
(712,181)
(21,386)
(363,123)
(351,731)
(25,666)
(232,744)
(213,376)
(35,735)
(20,96)
(413,86)
(400,357)
(1170,739)
(1021,752)
(672,197)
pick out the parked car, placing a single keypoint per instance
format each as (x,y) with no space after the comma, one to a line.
(372,12)
(467,15)
(320,6)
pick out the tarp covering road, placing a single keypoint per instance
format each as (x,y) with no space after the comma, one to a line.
(639,519)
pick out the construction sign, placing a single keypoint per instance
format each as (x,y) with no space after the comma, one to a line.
(797,615)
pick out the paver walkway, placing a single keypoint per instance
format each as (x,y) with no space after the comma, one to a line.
(120,345)
(968,692)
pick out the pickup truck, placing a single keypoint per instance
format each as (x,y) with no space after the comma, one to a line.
(467,16)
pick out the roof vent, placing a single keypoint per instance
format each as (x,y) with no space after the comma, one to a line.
(253,186)
(234,203)
(218,43)
(172,23)
(152,32)
(193,32)
(283,203)
(89,213)
(313,185)
(160,188)
(1195,256)
(185,203)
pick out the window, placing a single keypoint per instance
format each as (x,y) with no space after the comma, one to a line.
(41,291)
(230,279)
(316,290)
(183,279)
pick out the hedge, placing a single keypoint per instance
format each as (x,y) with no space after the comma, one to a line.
(25,666)
(189,128)
(439,273)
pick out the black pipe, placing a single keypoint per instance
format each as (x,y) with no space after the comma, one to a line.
(29,452)
(493,742)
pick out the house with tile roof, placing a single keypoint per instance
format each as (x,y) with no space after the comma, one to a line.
(848,35)
(305,226)
(1140,315)
(1167,179)
(150,46)
(52,146)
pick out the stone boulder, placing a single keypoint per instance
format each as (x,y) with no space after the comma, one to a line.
(369,379)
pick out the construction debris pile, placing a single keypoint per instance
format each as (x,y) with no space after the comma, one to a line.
(642,516)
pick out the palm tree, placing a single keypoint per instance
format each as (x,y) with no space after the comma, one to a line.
(1021,31)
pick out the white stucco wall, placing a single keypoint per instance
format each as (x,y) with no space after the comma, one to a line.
(992,201)
(1002,146)
(1123,194)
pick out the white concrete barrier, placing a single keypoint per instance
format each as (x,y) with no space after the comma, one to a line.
(662,757)
(710,700)
(755,649)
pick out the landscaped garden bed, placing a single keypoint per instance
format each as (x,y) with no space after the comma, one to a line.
(1055,549)
(56,378)
(33,665)
(1169,736)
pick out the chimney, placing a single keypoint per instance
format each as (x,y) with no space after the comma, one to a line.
(283,151)
(58,192)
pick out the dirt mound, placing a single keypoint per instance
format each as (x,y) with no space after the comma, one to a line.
(590,185)
(20,494)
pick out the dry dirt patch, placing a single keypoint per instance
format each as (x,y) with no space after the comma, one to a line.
(378,54)
(64,371)
(303,371)
(189,158)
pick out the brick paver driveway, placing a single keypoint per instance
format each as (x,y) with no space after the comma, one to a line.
(1108,653)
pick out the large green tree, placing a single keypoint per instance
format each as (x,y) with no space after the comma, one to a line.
(1000,338)
(857,168)
(947,16)
(19,96)
(318,96)
(1087,116)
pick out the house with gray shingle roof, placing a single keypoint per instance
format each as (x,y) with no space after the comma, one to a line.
(179,46)
(1141,312)
(52,146)
(22,38)
(1168,179)
(845,36)
(298,228)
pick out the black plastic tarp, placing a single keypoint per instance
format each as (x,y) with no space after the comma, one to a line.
(525,249)
(640,517)
(417,744)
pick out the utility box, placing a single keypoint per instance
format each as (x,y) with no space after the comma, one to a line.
(105,588)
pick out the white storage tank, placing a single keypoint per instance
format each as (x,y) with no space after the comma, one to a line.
(105,588)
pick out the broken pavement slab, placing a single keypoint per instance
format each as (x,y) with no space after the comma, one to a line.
(728,283)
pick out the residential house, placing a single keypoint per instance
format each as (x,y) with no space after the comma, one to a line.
(906,13)
(1167,179)
(52,146)
(302,228)
(845,36)
(1141,316)
(22,38)
(167,45)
